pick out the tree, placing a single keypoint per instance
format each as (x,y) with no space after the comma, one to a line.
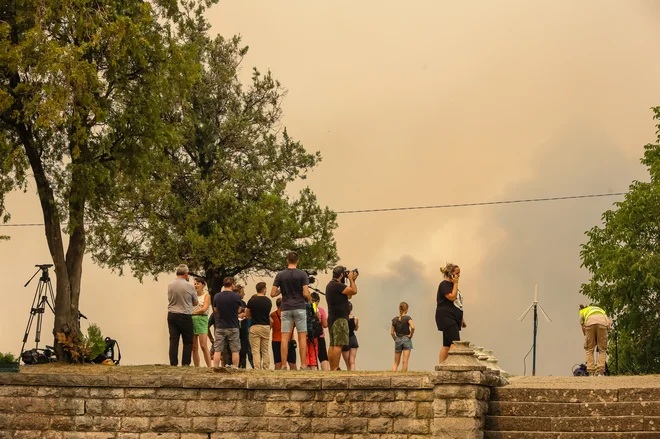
(623,257)
(222,205)
(86,89)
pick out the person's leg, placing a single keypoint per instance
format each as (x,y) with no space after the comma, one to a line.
(300,316)
(234,345)
(601,341)
(322,353)
(287,323)
(277,352)
(218,346)
(203,340)
(243,339)
(173,327)
(195,350)
(334,356)
(397,359)
(450,334)
(352,356)
(255,342)
(302,344)
(312,349)
(589,346)
(187,336)
(406,356)
(345,354)
(291,357)
(264,336)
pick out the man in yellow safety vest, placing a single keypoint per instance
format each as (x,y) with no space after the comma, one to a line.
(595,325)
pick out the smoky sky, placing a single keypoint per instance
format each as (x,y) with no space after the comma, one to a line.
(425,104)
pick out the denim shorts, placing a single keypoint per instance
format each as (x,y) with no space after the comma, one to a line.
(402,343)
(297,316)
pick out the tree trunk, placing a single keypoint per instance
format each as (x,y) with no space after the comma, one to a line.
(68,269)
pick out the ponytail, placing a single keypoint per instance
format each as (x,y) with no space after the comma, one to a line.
(403,309)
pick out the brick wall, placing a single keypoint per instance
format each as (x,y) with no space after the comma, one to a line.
(240,406)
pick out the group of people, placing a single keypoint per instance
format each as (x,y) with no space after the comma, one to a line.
(243,332)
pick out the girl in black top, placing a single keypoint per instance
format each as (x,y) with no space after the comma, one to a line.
(448,317)
(402,333)
(350,352)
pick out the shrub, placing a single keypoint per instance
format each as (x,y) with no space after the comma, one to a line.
(8,358)
(80,348)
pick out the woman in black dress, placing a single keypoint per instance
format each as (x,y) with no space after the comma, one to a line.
(448,317)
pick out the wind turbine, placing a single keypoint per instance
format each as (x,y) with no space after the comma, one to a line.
(534,306)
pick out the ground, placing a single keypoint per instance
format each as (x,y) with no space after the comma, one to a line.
(570,382)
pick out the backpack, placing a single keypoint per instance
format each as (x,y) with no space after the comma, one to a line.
(111,355)
(314,326)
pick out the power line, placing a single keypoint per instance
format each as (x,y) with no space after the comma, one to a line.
(440,206)
(484,203)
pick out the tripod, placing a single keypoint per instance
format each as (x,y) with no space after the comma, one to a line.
(41,299)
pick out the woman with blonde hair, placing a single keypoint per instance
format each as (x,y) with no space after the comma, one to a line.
(201,323)
(402,334)
(448,313)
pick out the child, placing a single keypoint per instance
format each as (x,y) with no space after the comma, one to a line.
(402,334)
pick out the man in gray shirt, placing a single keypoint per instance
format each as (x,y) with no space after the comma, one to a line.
(182,297)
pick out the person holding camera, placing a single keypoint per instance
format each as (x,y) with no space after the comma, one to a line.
(448,316)
(182,297)
(293,283)
(338,294)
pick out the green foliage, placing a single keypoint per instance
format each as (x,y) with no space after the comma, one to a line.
(221,201)
(95,340)
(623,257)
(8,358)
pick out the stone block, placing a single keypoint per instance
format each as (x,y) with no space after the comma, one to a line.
(140,393)
(406,382)
(288,409)
(414,395)
(339,425)
(301,383)
(559,410)
(365,409)
(369,382)
(95,381)
(640,394)
(223,394)
(85,423)
(89,435)
(374,395)
(516,423)
(106,393)
(412,426)
(651,423)
(47,435)
(204,424)
(171,381)
(194,436)
(424,410)
(74,392)
(21,390)
(314,409)
(450,377)
(455,427)
(380,425)
(128,435)
(241,424)
(134,407)
(250,408)
(516,394)
(210,408)
(334,383)
(597,424)
(145,381)
(439,408)
(337,410)
(152,435)
(398,409)
(289,425)
(119,380)
(465,391)
(44,406)
(316,436)
(271,395)
(170,424)
(179,394)
(134,424)
(26,434)
(303,395)
(466,408)
(264,382)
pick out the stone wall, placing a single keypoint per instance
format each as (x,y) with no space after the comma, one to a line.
(441,404)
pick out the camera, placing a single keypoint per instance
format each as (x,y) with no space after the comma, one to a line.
(347,272)
(311,275)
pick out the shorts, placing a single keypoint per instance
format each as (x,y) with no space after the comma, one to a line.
(298,316)
(277,352)
(323,350)
(450,334)
(352,343)
(231,335)
(402,343)
(200,324)
(339,333)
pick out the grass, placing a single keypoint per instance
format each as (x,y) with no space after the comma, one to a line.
(155,369)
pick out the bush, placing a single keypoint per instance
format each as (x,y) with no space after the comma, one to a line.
(8,358)
(83,348)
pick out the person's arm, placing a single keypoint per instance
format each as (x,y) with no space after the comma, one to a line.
(275,291)
(454,291)
(392,333)
(357,324)
(324,320)
(210,334)
(306,294)
(351,290)
(248,313)
(412,328)
(271,321)
(193,293)
(463,324)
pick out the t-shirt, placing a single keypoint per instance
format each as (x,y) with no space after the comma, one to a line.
(337,301)
(277,325)
(291,282)
(259,307)
(181,295)
(445,307)
(226,303)
(401,327)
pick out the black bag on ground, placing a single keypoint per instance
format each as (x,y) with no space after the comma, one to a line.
(112,352)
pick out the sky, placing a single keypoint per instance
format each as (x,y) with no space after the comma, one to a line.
(429,103)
